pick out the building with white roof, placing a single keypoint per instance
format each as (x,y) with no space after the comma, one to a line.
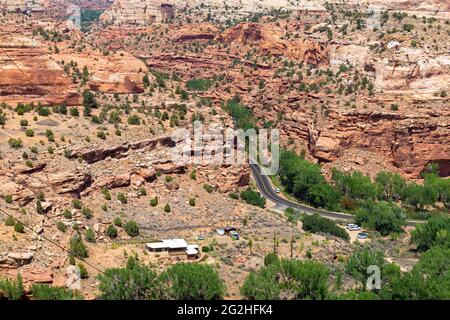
(174,246)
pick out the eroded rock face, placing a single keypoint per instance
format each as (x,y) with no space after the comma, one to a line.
(18,192)
(69,182)
(15,259)
(38,80)
(139,12)
(410,142)
(98,153)
(268,38)
(115,73)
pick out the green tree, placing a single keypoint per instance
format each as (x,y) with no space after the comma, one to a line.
(90,235)
(360,261)
(154,202)
(436,232)
(384,217)
(323,195)
(271,258)
(12,289)
(18,227)
(434,262)
(167,208)
(253,198)
(111,231)
(262,284)
(292,278)
(355,185)
(135,282)
(391,185)
(317,224)
(419,196)
(39,208)
(131,228)
(77,247)
(89,103)
(193,281)
(46,292)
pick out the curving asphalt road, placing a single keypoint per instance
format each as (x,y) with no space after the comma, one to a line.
(266,189)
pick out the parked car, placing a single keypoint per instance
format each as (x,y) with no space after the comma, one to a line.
(277,190)
(200,237)
(220,231)
(362,235)
(234,235)
(353,227)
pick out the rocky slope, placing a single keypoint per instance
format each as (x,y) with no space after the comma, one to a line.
(39,79)
(408,81)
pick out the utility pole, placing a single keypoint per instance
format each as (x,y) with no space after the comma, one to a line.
(292,246)
(274,241)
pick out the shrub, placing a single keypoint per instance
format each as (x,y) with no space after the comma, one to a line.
(39,208)
(8,198)
(90,236)
(19,227)
(315,224)
(76,204)
(50,135)
(43,112)
(209,188)
(111,231)
(46,292)
(77,247)
(83,271)
(253,198)
(87,213)
(199,84)
(117,222)
(89,102)
(408,27)
(15,143)
(24,123)
(61,226)
(106,193)
(142,192)
(74,112)
(243,117)
(29,133)
(167,208)
(131,228)
(271,258)
(101,135)
(154,202)
(192,202)
(122,198)
(208,248)
(134,120)
(234,195)
(67,214)
(13,290)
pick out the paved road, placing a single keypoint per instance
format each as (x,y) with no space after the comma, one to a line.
(266,189)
